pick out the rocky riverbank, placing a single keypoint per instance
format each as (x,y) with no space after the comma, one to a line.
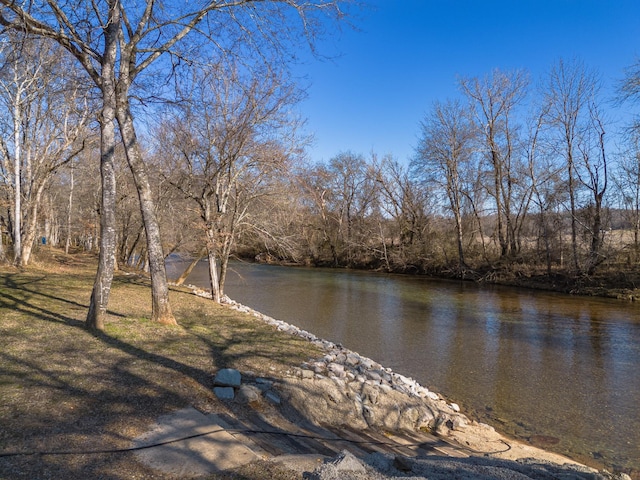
(344,387)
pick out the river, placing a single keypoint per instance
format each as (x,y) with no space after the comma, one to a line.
(561,371)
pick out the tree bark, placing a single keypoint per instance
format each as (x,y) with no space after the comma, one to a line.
(67,242)
(30,226)
(17,192)
(106,256)
(595,256)
(213,267)
(2,254)
(160,306)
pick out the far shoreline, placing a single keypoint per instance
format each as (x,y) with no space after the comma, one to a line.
(619,285)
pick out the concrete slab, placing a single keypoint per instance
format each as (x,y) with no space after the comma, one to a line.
(186,443)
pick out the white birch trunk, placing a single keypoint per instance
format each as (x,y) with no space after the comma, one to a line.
(17,181)
(67,243)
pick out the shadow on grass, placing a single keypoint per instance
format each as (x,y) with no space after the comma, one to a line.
(71,390)
(26,301)
(67,389)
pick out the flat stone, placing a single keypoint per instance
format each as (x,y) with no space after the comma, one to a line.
(336,368)
(352,359)
(304,373)
(433,396)
(459,423)
(319,367)
(224,393)
(207,448)
(228,377)
(248,394)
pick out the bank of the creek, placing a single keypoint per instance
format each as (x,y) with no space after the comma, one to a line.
(561,372)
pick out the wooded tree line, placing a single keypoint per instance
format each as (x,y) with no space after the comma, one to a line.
(142,130)
(511,176)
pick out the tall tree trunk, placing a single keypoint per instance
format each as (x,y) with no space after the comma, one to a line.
(106,256)
(497,185)
(544,226)
(228,237)
(598,194)
(3,255)
(29,236)
(574,222)
(454,201)
(107,253)
(478,219)
(17,191)
(67,242)
(459,240)
(213,267)
(224,260)
(160,306)
(596,237)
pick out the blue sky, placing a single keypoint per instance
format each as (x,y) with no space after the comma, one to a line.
(405,54)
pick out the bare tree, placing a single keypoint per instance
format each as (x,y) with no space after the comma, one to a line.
(49,125)
(115,43)
(444,156)
(229,136)
(494,100)
(17,89)
(406,200)
(595,178)
(569,91)
(3,205)
(627,180)
(628,90)
(281,229)
(353,195)
(314,182)
(544,174)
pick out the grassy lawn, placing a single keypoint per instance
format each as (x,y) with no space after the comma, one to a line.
(63,388)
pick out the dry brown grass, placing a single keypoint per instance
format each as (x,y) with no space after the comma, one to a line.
(65,389)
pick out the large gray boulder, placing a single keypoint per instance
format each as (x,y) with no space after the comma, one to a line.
(227,377)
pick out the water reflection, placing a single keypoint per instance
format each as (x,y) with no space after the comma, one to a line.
(535,363)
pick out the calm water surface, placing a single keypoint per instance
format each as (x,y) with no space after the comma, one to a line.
(530,363)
